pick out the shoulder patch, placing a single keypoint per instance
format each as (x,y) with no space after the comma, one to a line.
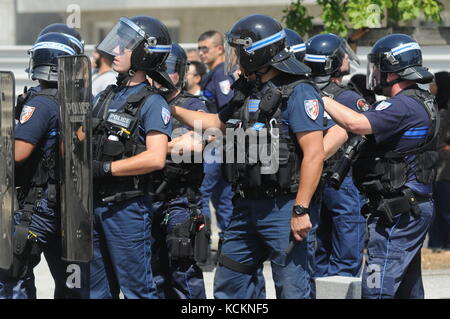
(362,105)
(312,108)
(27,113)
(165,115)
(382,106)
(225,87)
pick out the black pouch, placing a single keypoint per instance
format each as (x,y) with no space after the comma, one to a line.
(426,166)
(202,240)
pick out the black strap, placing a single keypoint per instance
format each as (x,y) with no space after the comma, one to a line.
(333,90)
(236,266)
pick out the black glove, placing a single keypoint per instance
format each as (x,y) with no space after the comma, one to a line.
(101,169)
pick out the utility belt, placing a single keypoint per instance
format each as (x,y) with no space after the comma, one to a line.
(388,208)
(117,189)
(175,181)
(264,192)
(26,251)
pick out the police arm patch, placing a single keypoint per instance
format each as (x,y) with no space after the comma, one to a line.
(225,87)
(362,105)
(382,106)
(27,113)
(165,115)
(312,108)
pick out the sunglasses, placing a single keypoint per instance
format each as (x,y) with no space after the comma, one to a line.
(203,49)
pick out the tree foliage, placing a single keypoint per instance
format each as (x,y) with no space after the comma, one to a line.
(339,16)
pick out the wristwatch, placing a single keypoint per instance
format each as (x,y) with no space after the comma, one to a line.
(299,210)
(107,168)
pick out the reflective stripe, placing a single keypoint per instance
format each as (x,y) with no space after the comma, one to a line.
(159,48)
(298,48)
(54,46)
(74,41)
(405,47)
(266,41)
(133,26)
(315,58)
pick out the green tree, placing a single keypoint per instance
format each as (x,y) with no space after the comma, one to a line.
(297,18)
(339,16)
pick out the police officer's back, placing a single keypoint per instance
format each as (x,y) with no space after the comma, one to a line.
(395,167)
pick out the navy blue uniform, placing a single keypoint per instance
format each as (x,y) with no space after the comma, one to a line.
(175,280)
(39,125)
(393,267)
(216,88)
(340,235)
(261,228)
(122,231)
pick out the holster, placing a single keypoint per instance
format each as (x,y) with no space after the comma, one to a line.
(389,208)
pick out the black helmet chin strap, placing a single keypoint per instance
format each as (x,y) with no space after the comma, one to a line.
(258,81)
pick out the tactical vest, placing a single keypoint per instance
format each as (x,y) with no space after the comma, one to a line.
(384,173)
(334,90)
(40,171)
(248,178)
(116,136)
(178,179)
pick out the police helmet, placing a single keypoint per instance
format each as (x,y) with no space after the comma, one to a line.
(326,55)
(295,44)
(395,53)
(44,56)
(70,33)
(257,41)
(176,62)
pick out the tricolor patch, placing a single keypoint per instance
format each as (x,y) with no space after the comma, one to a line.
(382,106)
(312,108)
(225,87)
(26,114)
(165,115)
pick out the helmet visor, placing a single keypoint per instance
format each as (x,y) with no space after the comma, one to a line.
(172,66)
(373,80)
(125,35)
(350,61)
(231,58)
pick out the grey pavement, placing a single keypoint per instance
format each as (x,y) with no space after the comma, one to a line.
(436,282)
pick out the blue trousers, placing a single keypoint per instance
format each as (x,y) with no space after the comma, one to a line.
(122,250)
(258,230)
(216,189)
(340,235)
(440,229)
(393,263)
(46,224)
(174,279)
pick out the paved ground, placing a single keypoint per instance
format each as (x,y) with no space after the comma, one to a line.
(436,282)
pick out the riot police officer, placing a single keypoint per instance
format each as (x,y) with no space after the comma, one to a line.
(178,222)
(340,235)
(38,219)
(295,44)
(73,35)
(131,131)
(395,167)
(275,99)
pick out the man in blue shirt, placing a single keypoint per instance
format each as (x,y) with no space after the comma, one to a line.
(216,87)
(395,167)
(340,235)
(271,212)
(176,210)
(131,130)
(36,149)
